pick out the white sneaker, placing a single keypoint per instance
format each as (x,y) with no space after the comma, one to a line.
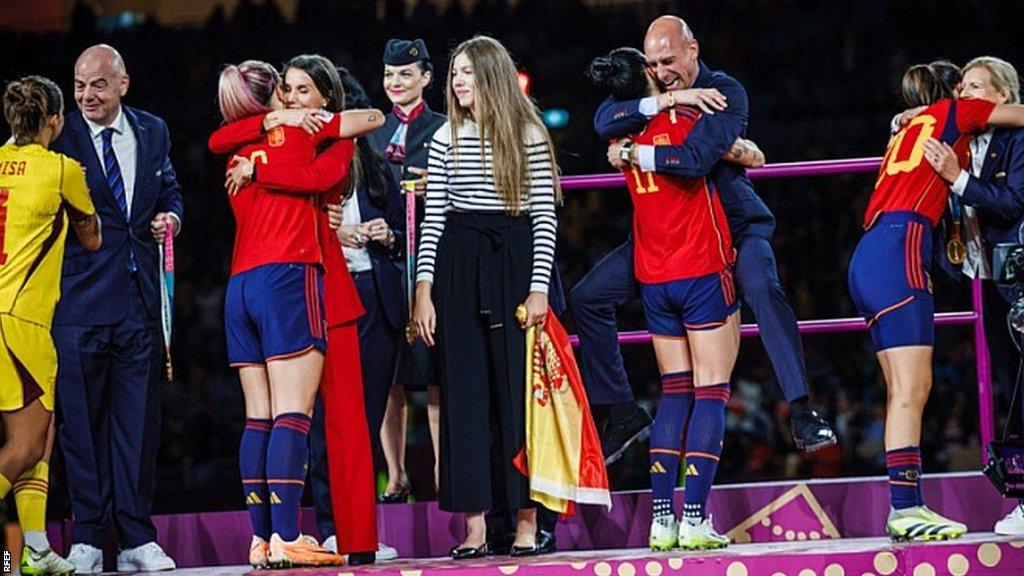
(385,552)
(149,557)
(1013,524)
(87,559)
(331,544)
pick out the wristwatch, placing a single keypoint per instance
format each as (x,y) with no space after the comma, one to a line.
(626,152)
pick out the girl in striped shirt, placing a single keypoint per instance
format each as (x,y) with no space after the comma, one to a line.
(487,246)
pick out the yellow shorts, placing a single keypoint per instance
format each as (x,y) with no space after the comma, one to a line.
(28,364)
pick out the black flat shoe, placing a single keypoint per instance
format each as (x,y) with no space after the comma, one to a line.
(519,551)
(399,497)
(546,542)
(465,553)
(361,558)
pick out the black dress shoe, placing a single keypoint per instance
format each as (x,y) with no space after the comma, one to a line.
(399,497)
(361,558)
(546,542)
(465,552)
(627,425)
(810,431)
(518,551)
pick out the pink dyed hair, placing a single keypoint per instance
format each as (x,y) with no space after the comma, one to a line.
(246,89)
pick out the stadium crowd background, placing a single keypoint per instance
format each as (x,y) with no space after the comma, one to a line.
(821,77)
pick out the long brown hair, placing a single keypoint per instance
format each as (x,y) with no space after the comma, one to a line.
(503,115)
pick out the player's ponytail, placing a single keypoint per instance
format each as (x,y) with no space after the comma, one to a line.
(621,74)
(246,89)
(28,103)
(923,85)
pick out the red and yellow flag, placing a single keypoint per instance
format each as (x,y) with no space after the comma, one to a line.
(562,456)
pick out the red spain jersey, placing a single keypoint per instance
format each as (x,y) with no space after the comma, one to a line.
(341,300)
(906,181)
(679,227)
(274,227)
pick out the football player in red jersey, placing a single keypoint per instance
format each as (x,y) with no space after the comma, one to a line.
(280,238)
(890,285)
(683,257)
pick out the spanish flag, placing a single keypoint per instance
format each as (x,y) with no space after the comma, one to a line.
(562,455)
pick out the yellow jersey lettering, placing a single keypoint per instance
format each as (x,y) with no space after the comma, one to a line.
(921,128)
(5,195)
(12,168)
(651,185)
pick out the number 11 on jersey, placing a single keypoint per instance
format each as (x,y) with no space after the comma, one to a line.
(651,186)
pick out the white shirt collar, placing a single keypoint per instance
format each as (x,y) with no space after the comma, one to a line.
(120,124)
(985,137)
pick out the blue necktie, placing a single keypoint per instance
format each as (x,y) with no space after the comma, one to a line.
(116,184)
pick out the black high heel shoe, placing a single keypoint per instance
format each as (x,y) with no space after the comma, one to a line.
(399,497)
(466,553)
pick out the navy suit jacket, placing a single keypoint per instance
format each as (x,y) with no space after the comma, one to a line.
(94,284)
(998,195)
(702,153)
(387,275)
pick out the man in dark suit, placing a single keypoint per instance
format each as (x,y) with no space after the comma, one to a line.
(106,326)
(989,198)
(672,54)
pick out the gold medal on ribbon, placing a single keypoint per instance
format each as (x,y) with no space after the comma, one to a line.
(956,252)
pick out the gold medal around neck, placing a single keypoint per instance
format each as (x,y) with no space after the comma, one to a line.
(956,252)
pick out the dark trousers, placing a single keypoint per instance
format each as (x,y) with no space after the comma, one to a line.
(482,273)
(108,393)
(611,283)
(378,351)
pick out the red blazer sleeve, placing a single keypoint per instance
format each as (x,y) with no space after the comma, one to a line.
(231,137)
(331,129)
(328,169)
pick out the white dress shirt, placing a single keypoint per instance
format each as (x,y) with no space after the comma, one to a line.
(976,263)
(645,152)
(358,259)
(125,149)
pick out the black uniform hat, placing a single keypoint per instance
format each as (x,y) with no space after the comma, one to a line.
(400,52)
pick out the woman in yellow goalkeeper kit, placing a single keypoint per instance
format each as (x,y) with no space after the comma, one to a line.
(41,194)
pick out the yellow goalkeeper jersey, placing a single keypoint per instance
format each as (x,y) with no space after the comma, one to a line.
(36,188)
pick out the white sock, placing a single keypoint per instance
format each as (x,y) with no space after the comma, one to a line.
(37,540)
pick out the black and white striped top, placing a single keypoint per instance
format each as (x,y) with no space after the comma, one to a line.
(470,188)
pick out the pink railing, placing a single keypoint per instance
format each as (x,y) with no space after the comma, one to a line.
(834,325)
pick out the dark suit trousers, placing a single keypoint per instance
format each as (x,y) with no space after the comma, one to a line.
(109,404)
(378,347)
(611,283)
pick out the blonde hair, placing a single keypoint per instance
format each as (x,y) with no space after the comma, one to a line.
(1004,76)
(246,89)
(503,115)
